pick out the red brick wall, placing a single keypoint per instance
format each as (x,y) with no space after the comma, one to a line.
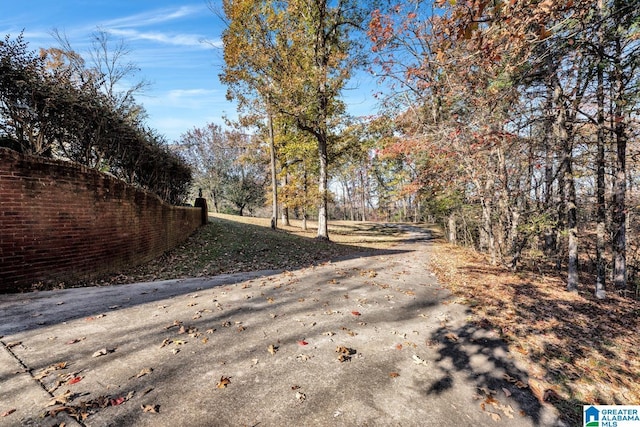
(65,222)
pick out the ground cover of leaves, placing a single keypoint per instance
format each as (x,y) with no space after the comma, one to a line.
(579,350)
(232,244)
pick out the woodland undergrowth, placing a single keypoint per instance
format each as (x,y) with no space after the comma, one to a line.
(578,350)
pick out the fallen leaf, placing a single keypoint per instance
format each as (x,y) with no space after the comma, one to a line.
(328,333)
(165,342)
(272,349)
(491,400)
(49,369)
(150,408)
(13,344)
(508,410)
(394,374)
(522,350)
(144,372)
(103,351)
(451,337)
(344,358)
(495,417)
(506,392)
(117,401)
(7,413)
(349,331)
(345,350)
(418,360)
(75,340)
(61,399)
(210,331)
(303,357)
(224,381)
(398,346)
(302,342)
(356,313)
(74,380)
(537,388)
(300,396)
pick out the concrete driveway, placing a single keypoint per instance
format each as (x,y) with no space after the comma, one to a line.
(367,341)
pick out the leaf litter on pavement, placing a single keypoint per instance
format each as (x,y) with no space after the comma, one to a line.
(344,314)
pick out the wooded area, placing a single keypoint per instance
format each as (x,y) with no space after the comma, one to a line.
(513,124)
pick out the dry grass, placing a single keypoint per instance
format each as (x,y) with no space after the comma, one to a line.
(351,233)
(579,350)
(231,244)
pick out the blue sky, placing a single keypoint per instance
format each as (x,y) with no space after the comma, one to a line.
(177,45)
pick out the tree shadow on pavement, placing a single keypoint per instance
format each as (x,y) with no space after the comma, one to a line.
(476,355)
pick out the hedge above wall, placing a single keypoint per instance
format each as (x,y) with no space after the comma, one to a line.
(62,222)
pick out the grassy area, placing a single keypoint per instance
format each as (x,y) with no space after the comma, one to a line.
(230,244)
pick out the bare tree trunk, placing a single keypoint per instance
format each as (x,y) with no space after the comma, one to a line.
(304,204)
(572,228)
(564,139)
(363,199)
(274,178)
(285,208)
(323,227)
(600,168)
(619,179)
(452,228)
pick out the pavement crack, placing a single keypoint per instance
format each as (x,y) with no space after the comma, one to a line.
(26,369)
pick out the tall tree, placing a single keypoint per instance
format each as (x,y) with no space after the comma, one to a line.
(295,57)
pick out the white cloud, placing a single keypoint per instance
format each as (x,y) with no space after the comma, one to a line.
(189,93)
(172,39)
(153,17)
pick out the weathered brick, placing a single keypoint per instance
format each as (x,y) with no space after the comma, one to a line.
(62,221)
